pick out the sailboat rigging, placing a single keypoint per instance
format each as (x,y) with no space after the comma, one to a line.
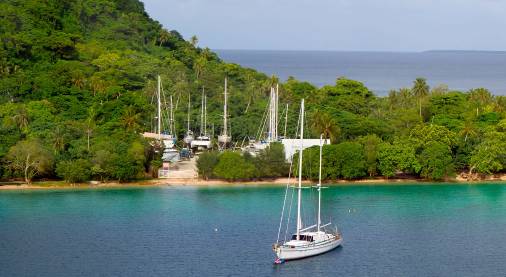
(312,240)
(188,138)
(203,141)
(224,139)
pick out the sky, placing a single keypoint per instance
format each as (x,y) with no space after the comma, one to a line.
(343,25)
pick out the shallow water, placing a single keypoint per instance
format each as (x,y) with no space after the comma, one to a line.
(411,230)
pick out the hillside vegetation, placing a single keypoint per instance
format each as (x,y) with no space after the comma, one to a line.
(77,81)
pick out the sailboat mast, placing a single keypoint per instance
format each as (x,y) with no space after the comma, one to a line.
(171,120)
(205,115)
(202,113)
(320,185)
(159,118)
(276,113)
(299,193)
(225,111)
(189,106)
(271,114)
(286,120)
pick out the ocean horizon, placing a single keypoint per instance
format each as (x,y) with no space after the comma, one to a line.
(380,71)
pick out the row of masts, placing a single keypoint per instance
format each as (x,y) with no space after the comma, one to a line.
(224,139)
(203,139)
(159,96)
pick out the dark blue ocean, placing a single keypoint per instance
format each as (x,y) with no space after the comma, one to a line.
(381,71)
(397,230)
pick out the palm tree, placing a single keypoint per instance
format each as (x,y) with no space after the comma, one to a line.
(405,96)
(58,139)
(90,124)
(21,118)
(130,119)
(393,99)
(163,36)
(194,40)
(323,123)
(481,97)
(199,65)
(420,90)
(468,130)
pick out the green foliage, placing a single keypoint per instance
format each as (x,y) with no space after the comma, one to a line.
(78,78)
(436,161)
(421,135)
(345,160)
(29,158)
(322,123)
(371,147)
(398,156)
(229,165)
(490,155)
(74,171)
(206,163)
(271,162)
(233,166)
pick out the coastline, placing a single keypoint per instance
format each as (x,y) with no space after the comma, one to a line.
(197,182)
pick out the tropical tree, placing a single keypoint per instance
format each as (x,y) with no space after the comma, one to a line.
(371,144)
(271,161)
(21,118)
(399,156)
(194,40)
(206,163)
(163,37)
(436,161)
(468,130)
(480,98)
(58,139)
(490,155)
(323,123)
(74,171)
(233,166)
(423,134)
(90,125)
(29,158)
(420,90)
(130,119)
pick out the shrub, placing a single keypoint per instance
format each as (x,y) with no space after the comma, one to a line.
(206,163)
(233,166)
(74,171)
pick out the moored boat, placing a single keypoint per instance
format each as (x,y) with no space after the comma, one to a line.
(312,240)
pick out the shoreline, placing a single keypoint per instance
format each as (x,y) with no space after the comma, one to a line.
(196,182)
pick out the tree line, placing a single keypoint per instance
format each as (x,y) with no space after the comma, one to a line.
(77,80)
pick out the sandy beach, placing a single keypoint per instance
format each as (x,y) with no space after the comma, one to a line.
(197,182)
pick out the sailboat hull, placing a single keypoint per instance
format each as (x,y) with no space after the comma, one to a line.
(286,252)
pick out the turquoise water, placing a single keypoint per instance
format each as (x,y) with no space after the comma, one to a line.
(418,230)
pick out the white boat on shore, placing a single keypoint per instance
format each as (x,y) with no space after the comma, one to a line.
(312,240)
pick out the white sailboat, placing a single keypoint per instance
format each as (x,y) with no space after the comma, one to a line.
(170,153)
(312,240)
(188,138)
(264,139)
(203,141)
(224,139)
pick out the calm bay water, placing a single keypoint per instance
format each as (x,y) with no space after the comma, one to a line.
(381,71)
(419,230)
